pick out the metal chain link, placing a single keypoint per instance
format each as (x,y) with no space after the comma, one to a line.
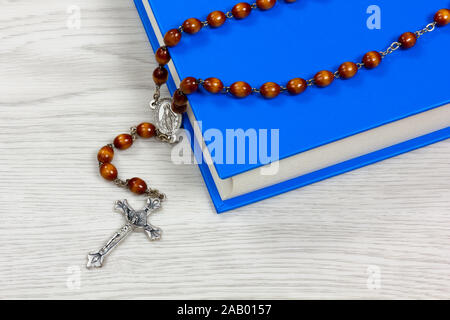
(393,47)
(133,133)
(157,93)
(429,28)
(155,193)
(121,183)
(171,139)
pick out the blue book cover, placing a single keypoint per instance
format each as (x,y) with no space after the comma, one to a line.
(298,40)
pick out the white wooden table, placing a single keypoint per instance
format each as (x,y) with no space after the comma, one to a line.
(379,232)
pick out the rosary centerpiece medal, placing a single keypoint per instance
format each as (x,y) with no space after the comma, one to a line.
(167,121)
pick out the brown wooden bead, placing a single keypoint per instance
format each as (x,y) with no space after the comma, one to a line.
(216,19)
(189,85)
(162,56)
(105,154)
(213,85)
(108,171)
(240,89)
(137,185)
(241,10)
(179,108)
(192,25)
(442,17)
(179,98)
(123,141)
(408,40)
(348,70)
(270,90)
(290,1)
(323,78)
(265,4)
(146,130)
(296,86)
(372,59)
(160,75)
(172,37)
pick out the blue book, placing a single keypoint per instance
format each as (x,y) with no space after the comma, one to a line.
(255,148)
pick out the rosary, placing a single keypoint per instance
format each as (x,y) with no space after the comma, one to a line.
(168,111)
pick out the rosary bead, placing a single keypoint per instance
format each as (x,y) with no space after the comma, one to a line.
(270,90)
(179,98)
(162,56)
(442,17)
(324,78)
(372,59)
(241,10)
(408,40)
(297,86)
(137,185)
(189,85)
(146,130)
(216,19)
(105,154)
(108,171)
(192,25)
(123,141)
(160,75)
(240,89)
(348,70)
(213,85)
(172,37)
(265,4)
(179,108)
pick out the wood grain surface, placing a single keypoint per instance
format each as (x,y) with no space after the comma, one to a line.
(379,232)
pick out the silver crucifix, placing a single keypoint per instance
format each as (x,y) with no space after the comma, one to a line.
(135,220)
